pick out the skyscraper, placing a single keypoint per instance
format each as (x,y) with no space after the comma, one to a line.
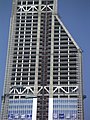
(43,78)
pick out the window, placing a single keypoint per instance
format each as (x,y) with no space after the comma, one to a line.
(24,2)
(30,2)
(19,3)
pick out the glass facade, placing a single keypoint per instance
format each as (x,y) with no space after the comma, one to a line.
(65,109)
(20,109)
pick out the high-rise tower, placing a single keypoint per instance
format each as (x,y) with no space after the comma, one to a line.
(44,66)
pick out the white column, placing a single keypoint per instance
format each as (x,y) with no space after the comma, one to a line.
(34,111)
(50,116)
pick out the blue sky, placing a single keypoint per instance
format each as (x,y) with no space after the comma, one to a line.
(75,15)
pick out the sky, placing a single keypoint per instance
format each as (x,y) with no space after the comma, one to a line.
(75,15)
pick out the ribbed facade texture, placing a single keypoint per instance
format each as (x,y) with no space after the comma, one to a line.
(43,78)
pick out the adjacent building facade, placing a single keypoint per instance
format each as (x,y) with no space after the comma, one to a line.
(43,78)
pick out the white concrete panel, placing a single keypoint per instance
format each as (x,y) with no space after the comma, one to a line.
(50,116)
(34,111)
